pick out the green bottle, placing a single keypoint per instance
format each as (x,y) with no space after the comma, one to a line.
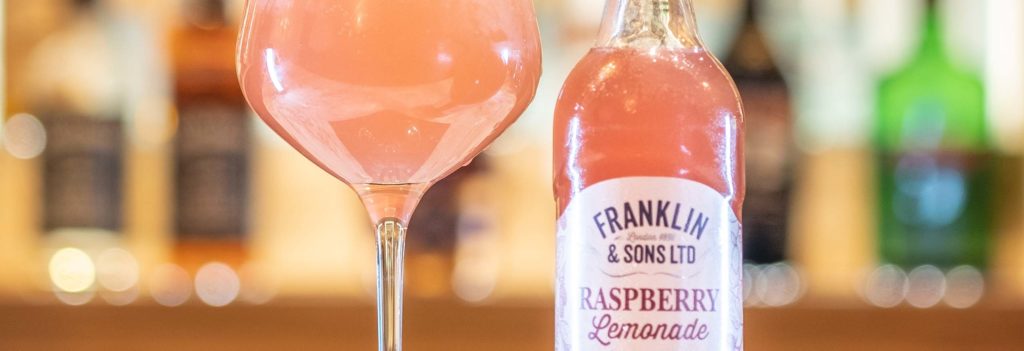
(934,169)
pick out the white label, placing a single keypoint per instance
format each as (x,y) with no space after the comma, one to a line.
(651,264)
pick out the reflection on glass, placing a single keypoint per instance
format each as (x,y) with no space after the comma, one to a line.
(389,97)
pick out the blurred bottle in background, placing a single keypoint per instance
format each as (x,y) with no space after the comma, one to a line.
(431,242)
(770,156)
(79,104)
(432,238)
(832,92)
(77,91)
(211,152)
(720,21)
(1004,91)
(933,159)
(212,141)
(478,249)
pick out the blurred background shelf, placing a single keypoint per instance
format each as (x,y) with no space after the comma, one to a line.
(488,235)
(453,326)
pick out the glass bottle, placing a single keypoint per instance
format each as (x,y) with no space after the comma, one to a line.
(77,93)
(648,163)
(212,144)
(933,166)
(770,159)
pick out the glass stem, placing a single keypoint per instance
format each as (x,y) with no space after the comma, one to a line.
(390,266)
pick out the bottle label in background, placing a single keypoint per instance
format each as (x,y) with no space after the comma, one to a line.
(936,207)
(82,174)
(212,172)
(649,263)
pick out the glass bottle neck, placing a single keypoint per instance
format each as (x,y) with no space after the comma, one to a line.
(646,24)
(84,5)
(208,14)
(932,45)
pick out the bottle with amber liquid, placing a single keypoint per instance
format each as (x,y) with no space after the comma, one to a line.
(212,141)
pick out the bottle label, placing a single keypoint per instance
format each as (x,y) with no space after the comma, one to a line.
(212,175)
(649,263)
(935,207)
(82,173)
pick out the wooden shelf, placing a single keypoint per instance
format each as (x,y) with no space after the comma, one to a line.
(451,326)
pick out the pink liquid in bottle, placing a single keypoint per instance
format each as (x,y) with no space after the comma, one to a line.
(649,184)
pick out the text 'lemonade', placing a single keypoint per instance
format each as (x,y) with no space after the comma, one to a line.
(649,184)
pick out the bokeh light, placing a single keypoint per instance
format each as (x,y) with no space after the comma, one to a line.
(886,286)
(966,286)
(472,289)
(751,274)
(778,285)
(257,286)
(74,298)
(217,284)
(121,298)
(170,285)
(24,136)
(117,270)
(72,270)
(926,286)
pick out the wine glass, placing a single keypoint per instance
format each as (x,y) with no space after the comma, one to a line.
(389,97)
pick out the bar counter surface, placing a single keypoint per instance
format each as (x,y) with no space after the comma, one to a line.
(450,326)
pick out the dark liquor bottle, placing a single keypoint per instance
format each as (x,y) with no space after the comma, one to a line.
(432,237)
(770,154)
(478,254)
(77,95)
(933,160)
(212,144)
